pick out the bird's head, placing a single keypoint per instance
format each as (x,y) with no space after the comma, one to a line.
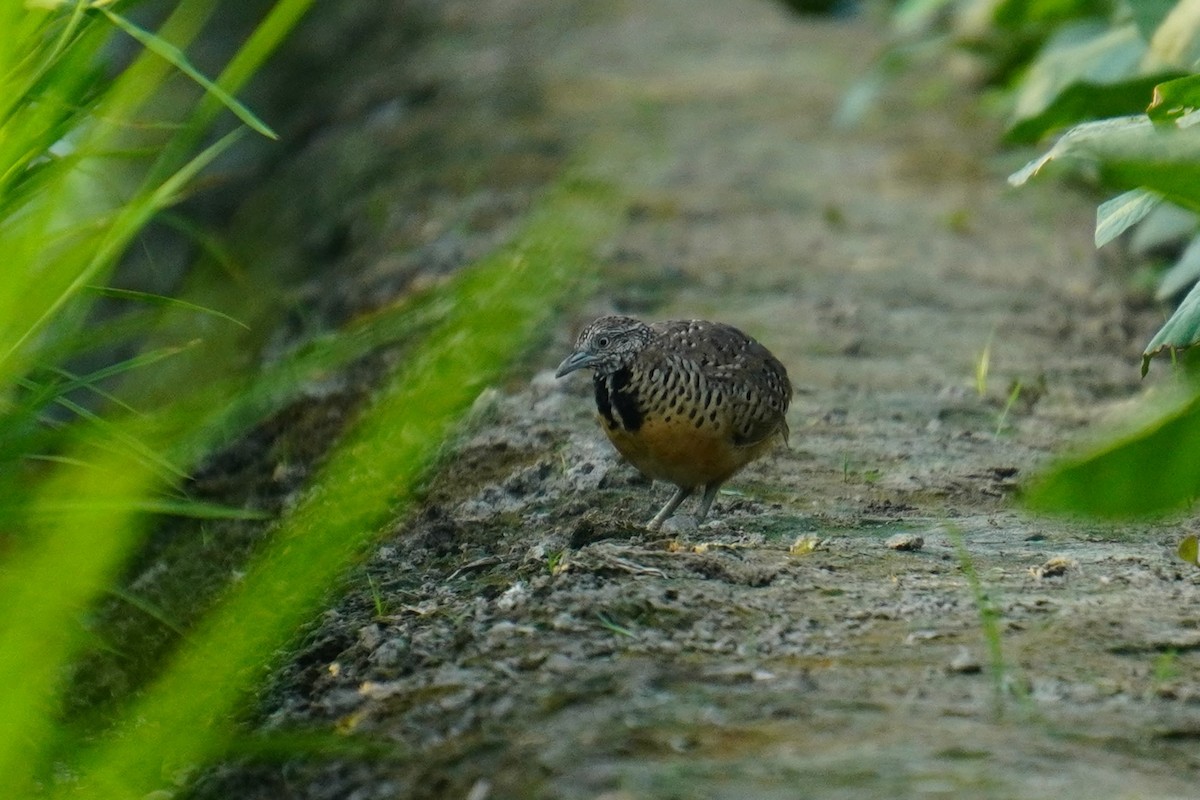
(606,345)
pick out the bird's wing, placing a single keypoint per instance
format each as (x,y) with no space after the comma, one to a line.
(753,382)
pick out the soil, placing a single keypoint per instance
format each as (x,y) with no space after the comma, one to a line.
(868,613)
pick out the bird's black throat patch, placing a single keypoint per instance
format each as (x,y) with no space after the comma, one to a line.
(603,404)
(615,402)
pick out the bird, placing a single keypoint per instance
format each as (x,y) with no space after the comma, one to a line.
(690,402)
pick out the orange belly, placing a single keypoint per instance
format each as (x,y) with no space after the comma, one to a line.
(681,453)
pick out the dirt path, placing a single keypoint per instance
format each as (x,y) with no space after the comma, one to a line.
(536,643)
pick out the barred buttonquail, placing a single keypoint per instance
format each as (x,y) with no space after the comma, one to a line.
(686,401)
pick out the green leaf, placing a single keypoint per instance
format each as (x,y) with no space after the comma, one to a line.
(1174,98)
(1080,53)
(1082,141)
(1189,550)
(1024,13)
(1175,176)
(1133,152)
(161,300)
(1179,332)
(1167,225)
(1182,275)
(1151,471)
(1115,216)
(1176,42)
(1148,14)
(1085,100)
(915,17)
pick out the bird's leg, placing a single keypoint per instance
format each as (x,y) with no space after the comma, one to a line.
(681,494)
(710,494)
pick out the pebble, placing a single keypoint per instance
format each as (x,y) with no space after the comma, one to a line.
(964,663)
(513,596)
(679,524)
(908,542)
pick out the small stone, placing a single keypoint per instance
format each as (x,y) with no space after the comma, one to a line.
(502,632)
(907,542)
(370,636)
(916,637)
(482,790)
(390,652)
(560,663)
(679,525)
(964,664)
(513,596)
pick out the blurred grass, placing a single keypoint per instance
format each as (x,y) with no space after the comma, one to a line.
(88,456)
(87,158)
(495,310)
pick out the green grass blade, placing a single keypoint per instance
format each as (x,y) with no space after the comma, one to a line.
(129,220)
(161,300)
(284,16)
(165,507)
(500,304)
(169,191)
(147,608)
(76,382)
(141,360)
(41,393)
(64,220)
(266,38)
(88,544)
(177,59)
(143,79)
(210,245)
(118,437)
(989,619)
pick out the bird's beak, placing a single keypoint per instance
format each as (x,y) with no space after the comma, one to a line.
(577,360)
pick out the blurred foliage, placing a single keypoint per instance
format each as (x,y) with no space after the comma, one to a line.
(487,315)
(97,139)
(1119,83)
(1151,471)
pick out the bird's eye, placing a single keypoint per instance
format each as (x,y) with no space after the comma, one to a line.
(602,341)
